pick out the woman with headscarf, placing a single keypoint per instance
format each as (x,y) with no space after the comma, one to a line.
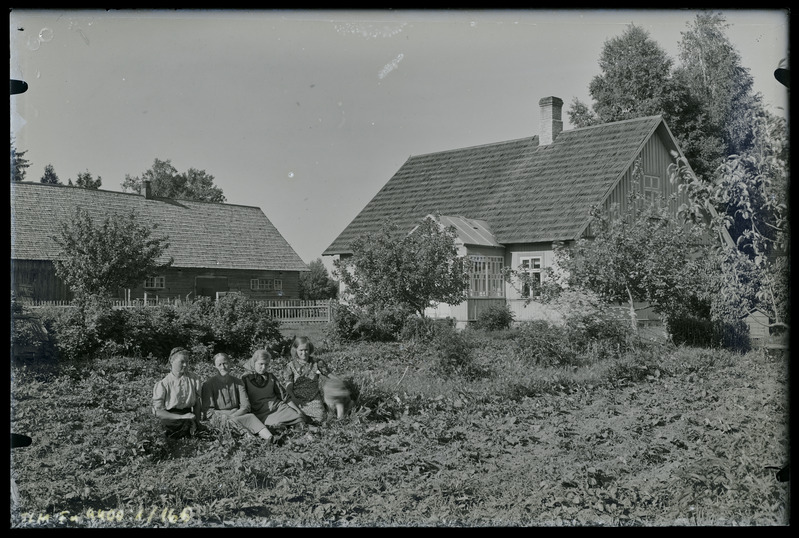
(268,399)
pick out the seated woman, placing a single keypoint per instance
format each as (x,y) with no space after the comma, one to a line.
(311,385)
(176,398)
(225,401)
(268,399)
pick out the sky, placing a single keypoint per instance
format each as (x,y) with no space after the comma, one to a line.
(307,114)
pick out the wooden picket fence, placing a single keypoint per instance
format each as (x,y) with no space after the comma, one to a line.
(299,311)
(285,310)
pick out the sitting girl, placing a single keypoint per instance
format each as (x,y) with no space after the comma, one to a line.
(225,402)
(311,385)
(268,399)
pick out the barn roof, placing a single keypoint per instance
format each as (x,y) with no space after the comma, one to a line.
(524,191)
(200,234)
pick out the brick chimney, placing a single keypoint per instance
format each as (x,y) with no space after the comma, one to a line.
(148,193)
(551,123)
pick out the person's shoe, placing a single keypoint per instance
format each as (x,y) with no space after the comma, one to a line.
(267,436)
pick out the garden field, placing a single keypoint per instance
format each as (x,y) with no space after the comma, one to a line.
(655,436)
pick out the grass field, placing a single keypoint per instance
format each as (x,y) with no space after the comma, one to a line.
(661,436)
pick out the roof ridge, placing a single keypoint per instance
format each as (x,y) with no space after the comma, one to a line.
(530,138)
(63,186)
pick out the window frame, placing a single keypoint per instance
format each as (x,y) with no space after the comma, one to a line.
(526,292)
(262,284)
(650,193)
(151,283)
(486,277)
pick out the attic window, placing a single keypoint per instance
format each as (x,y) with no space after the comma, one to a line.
(652,189)
(155,283)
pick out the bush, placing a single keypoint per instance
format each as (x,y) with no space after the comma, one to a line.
(690,331)
(74,331)
(364,324)
(151,331)
(495,318)
(453,351)
(700,332)
(240,326)
(732,335)
(546,344)
(29,336)
(423,329)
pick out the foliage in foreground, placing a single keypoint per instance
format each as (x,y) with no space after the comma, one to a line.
(655,435)
(231,324)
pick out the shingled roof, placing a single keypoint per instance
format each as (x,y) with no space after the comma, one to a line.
(201,234)
(524,191)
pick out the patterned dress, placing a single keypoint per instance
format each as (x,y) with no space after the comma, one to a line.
(304,382)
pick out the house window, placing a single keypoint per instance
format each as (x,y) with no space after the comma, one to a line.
(485,276)
(531,267)
(652,189)
(155,283)
(278,284)
(262,284)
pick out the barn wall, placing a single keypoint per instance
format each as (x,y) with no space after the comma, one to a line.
(37,281)
(183,283)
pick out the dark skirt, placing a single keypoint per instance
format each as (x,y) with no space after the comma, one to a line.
(175,429)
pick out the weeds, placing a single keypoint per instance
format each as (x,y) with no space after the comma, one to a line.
(655,435)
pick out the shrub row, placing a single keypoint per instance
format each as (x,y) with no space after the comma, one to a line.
(231,324)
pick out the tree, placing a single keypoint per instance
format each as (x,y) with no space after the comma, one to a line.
(415,270)
(19,164)
(166,182)
(316,283)
(635,78)
(50,176)
(751,191)
(581,115)
(710,68)
(646,255)
(85,181)
(98,259)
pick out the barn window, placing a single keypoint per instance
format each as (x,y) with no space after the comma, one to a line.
(155,283)
(262,284)
(485,277)
(531,267)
